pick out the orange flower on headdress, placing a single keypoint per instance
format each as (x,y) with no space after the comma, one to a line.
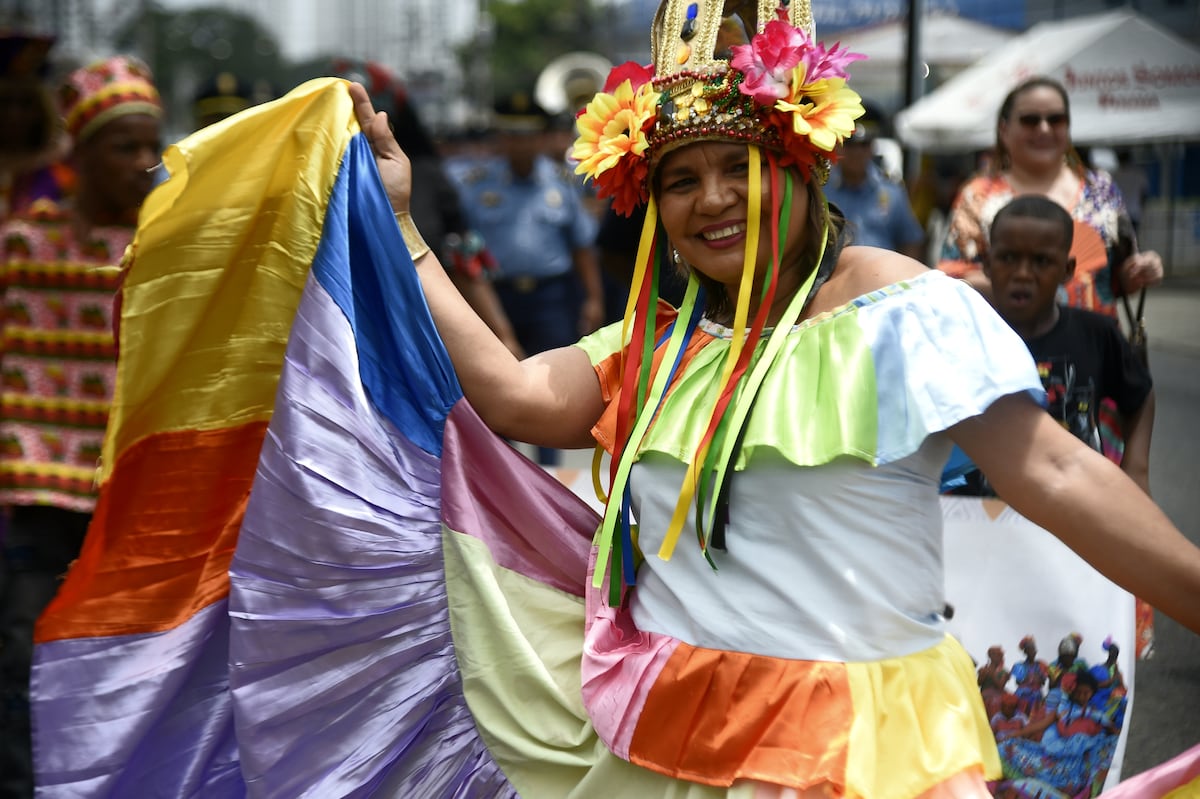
(612,137)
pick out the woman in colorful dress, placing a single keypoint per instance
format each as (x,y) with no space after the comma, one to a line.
(1030,676)
(1034,156)
(61,270)
(774,627)
(1110,684)
(993,677)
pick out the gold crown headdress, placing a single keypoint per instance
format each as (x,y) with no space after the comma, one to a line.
(726,70)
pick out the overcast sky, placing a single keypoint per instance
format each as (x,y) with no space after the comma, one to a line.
(294,22)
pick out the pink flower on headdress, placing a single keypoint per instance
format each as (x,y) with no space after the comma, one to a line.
(831,63)
(782,68)
(766,63)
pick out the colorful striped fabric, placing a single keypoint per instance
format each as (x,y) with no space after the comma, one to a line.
(261,604)
(130,681)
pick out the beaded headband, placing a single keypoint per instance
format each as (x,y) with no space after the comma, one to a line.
(722,70)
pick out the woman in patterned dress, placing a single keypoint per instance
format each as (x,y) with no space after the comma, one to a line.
(1034,156)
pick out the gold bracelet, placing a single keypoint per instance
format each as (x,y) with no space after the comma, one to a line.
(412,237)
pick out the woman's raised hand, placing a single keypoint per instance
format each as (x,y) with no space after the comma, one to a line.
(393,164)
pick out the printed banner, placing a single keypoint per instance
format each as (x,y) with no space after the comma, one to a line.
(1053,642)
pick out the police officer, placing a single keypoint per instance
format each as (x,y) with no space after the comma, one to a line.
(225,94)
(877,208)
(529,210)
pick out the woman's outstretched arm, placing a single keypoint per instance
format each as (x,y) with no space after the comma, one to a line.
(551,399)
(1093,507)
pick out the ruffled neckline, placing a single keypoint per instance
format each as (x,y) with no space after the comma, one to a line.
(718,330)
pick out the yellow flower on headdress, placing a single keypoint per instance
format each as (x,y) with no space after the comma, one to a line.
(612,141)
(823,111)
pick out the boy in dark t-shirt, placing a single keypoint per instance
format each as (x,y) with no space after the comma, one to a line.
(1084,360)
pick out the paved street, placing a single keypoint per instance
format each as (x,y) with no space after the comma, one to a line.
(1167,687)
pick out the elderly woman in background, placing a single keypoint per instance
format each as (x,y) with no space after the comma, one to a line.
(1034,156)
(60,264)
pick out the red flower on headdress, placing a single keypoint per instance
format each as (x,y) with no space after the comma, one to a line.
(631,71)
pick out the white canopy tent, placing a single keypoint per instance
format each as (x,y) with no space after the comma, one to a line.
(1129,82)
(949,44)
(946,40)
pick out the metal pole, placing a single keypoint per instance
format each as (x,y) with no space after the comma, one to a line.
(914,77)
(1170,153)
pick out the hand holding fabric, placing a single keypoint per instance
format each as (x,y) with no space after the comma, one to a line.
(394,167)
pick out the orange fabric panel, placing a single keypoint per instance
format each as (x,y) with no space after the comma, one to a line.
(714,717)
(173,509)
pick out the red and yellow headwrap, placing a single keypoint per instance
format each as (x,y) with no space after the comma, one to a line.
(102,91)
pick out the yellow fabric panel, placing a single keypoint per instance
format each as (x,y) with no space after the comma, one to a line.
(905,740)
(220,258)
(1189,791)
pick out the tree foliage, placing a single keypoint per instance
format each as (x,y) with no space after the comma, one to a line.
(529,33)
(185,49)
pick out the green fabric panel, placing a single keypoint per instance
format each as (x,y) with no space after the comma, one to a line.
(518,644)
(817,403)
(603,342)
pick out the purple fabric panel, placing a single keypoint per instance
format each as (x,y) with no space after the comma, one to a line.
(521,514)
(341,658)
(137,715)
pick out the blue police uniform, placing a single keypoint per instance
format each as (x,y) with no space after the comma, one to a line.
(877,209)
(532,226)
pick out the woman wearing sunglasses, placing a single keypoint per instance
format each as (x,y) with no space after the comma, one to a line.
(1034,156)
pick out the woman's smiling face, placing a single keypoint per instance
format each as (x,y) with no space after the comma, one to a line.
(1037,131)
(702,195)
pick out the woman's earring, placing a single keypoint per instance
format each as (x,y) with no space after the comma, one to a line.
(678,259)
